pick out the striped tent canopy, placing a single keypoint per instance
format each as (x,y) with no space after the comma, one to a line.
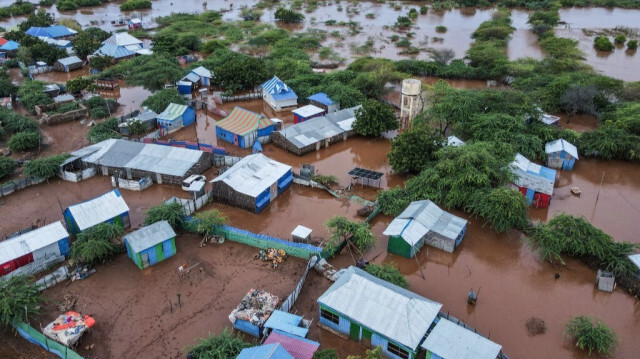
(242,121)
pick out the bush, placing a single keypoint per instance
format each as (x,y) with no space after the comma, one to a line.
(135,4)
(95,244)
(632,44)
(15,122)
(67,5)
(7,166)
(603,43)
(288,16)
(46,167)
(388,272)
(24,141)
(159,101)
(31,93)
(591,336)
(99,112)
(413,149)
(78,84)
(403,22)
(374,118)
(609,142)
(171,212)
(503,208)
(104,131)
(325,180)
(441,29)
(356,233)
(620,39)
(19,299)
(207,222)
(222,346)
(326,354)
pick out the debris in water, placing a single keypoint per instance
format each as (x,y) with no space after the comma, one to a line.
(575,191)
(535,326)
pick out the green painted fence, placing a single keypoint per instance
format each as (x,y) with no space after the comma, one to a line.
(29,333)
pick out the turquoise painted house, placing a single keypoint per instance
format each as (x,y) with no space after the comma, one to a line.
(151,244)
(377,313)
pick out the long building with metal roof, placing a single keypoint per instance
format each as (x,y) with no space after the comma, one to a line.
(450,340)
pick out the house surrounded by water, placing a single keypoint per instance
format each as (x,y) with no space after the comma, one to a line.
(243,127)
(561,154)
(278,95)
(376,312)
(535,182)
(323,101)
(424,222)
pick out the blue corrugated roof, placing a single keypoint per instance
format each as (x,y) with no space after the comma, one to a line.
(286,322)
(10,46)
(59,31)
(276,86)
(322,98)
(547,173)
(269,351)
(36,31)
(285,96)
(114,51)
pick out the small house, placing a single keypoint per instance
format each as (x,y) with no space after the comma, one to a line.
(449,340)
(175,117)
(10,47)
(108,208)
(61,44)
(266,351)
(56,32)
(561,154)
(278,95)
(253,311)
(151,244)
(186,85)
(68,64)
(301,234)
(252,183)
(120,46)
(535,182)
(135,24)
(35,250)
(204,75)
(323,101)
(305,113)
(298,347)
(242,127)
(148,119)
(424,222)
(288,323)
(372,310)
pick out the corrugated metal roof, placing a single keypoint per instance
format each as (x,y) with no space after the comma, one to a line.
(100,209)
(420,217)
(267,351)
(28,242)
(122,39)
(60,31)
(301,231)
(276,86)
(241,121)
(561,145)
(322,98)
(10,46)
(320,128)
(299,348)
(202,71)
(167,160)
(286,322)
(533,176)
(114,51)
(149,236)
(635,258)
(63,98)
(172,112)
(449,340)
(191,77)
(548,119)
(253,174)
(308,110)
(454,141)
(2,41)
(70,60)
(394,312)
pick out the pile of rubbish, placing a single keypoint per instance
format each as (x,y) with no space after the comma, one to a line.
(68,302)
(81,272)
(327,270)
(255,307)
(68,328)
(275,256)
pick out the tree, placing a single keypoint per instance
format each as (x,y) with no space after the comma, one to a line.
(222,346)
(403,22)
(591,336)
(632,44)
(19,299)
(171,212)
(135,4)
(88,41)
(207,222)
(152,71)
(38,19)
(239,71)
(356,233)
(45,167)
(159,101)
(24,141)
(388,272)
(581,99)
(165,42)
(7,88)
(100,62)
(369,354)
(374,118)
(7,166)
(136,128)
(603,43)
(488,58)
(78,84)
(326,354)
(609,142)
(104,131)
(413,149)
(441,56)
(95,244)
(288,16)
(502,208)
(31,93)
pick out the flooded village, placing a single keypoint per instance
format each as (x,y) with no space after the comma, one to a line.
(319,179)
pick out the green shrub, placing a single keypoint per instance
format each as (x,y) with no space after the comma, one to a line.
(424,10)
(7,166)
(78,84)
(356,233)
(104,131)
(19,299)
(159,101)
(388,272)
(326,354)
(288,16)
(96,244)
(603,43)
(441,29)
(503,208)
(135,4)
(222,346)
(325,180)
(592,337)
(65,107)
(99,112)
(24,141)
(403,21)
(44,167)
(67,5)
(632,44)
(620,39)
(31,93)
(374,118)
(171,212)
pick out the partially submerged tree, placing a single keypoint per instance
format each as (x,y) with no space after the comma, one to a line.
(222,346)
(413,149)
(289,16)
(45,167)
(159,101)
(374,118)
(19,299)
(356,233)
(502,208)
(590,336)
(97,244)
(388,272)
(441,56)
(171,212)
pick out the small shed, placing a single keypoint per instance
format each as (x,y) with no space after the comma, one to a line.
(185,86)
(561,154)
(203,74)
(450,340)
(68,64)
(307,112)
(365,307)
(288,323)
(151,244)
(266,351)
(605,281)
(242,127)
(322,100)
(253,311)
(35,250)
(109,208)
(301,234)
(278,95)
(535,182)
(148,119)
(135,24)
(424,222)
(176,116)
(252,183)
(298,347)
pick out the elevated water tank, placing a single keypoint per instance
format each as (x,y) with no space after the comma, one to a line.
(411,87)
(411,103)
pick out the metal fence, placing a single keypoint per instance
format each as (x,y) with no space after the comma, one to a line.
(191,205)
(16,185)
(288,303)
(29,333)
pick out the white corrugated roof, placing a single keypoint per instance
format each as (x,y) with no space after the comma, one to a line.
(149,236)
(301,231)
(100,209)
(394,312)
(420,217)
(122,39)
(533,176)
(308,110)
(635,258)
(202,71)
(561,145)
(449,340)
(548,119)
(28,242)
(253,174)
(454,141)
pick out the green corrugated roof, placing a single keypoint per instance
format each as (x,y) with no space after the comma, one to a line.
(172,112)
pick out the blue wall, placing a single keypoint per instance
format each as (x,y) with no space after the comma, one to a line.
(247,327)
(189,116)
(568,160)
(63,245)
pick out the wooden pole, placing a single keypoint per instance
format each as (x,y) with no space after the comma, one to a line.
(597,196)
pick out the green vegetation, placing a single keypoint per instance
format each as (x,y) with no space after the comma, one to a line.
(374,118)
(100,107)
(620,39)
(441,29)
(96,244)
(7,166)
(288,16)
(152,72)
(79,83)
(326,354)
(325,180)
(24,141)
(65,107)
(31,93)
(413,149)
(135,4)
(16,9)
(356,233)
(632,44)
(375,353)
(45,167)
(603,43)
(14,122)
(171,212)
(159,101)
(388,272)
(19,299)
(502,208)
(222,346)
(104,131)
(576,237)
(403,22)
(88,41)
(235,71)
(208,221)
(592,337)
(6,87)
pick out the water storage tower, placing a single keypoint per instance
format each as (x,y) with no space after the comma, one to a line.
(410,104)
